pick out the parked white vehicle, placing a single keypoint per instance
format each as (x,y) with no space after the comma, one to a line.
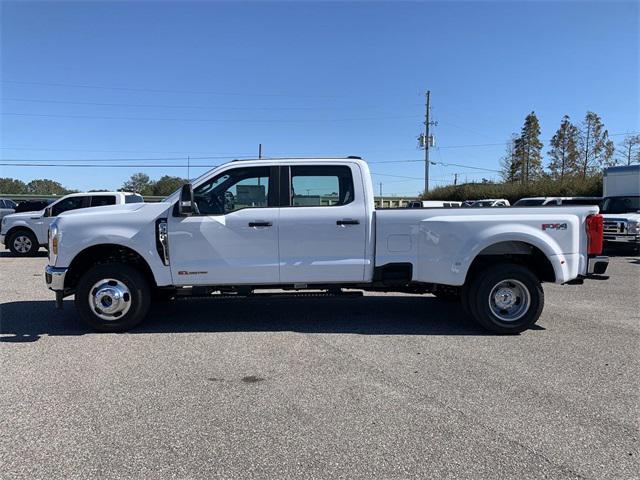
(556,201)
(434,204)
(489,202)
(24,233)
(7,207)
(621,205)
(265,224)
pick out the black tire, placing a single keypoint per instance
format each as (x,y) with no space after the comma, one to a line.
(139,296)
(21,239)
(526,291)
(164,294)
(448,294)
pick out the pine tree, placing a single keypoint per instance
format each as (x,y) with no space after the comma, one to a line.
(564,152)
(529,149)
(594,147)
(511,167)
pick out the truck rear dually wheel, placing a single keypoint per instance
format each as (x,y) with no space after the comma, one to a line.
(113,297)
(506,298)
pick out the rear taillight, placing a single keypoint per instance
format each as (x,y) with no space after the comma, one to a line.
(595,229)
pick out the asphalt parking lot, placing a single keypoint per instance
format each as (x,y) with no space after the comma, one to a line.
(384,386)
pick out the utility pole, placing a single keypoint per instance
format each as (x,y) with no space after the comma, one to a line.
(455,179)
(426,143)
(381,199)
(426,139)
(259,150)
(188,168)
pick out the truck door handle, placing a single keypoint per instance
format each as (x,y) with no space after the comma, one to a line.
(347,222)
(260,224)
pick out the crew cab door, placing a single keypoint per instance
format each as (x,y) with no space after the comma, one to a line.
(322,224)
(233,237)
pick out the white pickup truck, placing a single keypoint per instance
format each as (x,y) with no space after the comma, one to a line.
(25,232)
(299,224)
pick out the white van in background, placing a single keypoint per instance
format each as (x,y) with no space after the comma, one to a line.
(621,205)
(433,204)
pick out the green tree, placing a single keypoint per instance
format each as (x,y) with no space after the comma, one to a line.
(138,183)
(594,147)
(46,187)
(564,150)
(629,150)
(11,185)
(529,149)
(167,185)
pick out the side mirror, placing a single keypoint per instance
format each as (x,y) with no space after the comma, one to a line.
(186,205)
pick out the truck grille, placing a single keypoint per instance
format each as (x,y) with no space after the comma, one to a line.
(615,226)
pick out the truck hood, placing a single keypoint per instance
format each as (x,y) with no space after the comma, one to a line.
(622,216)
(23,216)
(115,214)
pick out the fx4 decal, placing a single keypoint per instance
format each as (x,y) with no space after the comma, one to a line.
(183,272)
(554,226)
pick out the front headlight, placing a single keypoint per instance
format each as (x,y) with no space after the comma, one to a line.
(54,240)
(634,227)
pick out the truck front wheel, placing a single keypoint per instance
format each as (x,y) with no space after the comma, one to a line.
(23,243)
(506,298)
(113,297)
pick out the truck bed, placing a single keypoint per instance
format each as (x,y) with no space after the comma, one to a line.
(440,243)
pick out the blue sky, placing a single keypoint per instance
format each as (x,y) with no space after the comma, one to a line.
(214,79)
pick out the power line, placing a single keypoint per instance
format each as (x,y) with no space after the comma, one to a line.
(132,89)
(205,120)
(101,166)
(200,107)
(444,164)
(120,159)
(228,155)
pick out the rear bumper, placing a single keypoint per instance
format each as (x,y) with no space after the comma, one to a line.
(2,239)
(597,266)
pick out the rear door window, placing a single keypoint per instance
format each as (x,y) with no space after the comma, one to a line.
(135,198)
(102,200)
(321,186)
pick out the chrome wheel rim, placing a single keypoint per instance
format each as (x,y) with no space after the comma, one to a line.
(109,299)
(509,300)
(22,244)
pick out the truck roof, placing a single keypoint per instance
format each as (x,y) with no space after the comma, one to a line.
(81,194)
(622,169)
(295,159)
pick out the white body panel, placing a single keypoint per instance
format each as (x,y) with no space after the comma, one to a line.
(304,245)
(224,249)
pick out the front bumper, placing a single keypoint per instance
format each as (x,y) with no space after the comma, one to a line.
(54,276)
(622,238)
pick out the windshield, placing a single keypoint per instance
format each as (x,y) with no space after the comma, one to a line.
(529,203)
(621,205)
